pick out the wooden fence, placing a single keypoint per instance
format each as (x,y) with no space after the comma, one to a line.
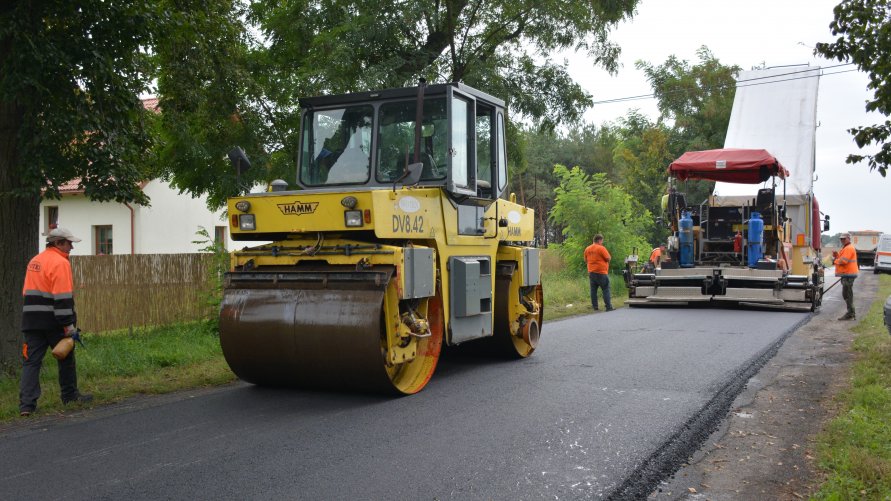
(123,291)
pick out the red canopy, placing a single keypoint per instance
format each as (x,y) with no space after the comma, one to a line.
(731,165)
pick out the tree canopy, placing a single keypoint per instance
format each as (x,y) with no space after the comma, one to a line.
(863,31)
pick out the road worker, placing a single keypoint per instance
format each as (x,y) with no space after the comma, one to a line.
(48,316)
(657,256)
(846,269)
(597,259)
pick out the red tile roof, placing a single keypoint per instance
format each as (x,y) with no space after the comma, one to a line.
(71,187)
(151,104)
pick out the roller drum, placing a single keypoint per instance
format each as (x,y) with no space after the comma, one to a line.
(317,338)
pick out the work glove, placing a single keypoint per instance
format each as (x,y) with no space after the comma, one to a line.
(74,333)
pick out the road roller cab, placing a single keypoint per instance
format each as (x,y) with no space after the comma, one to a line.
(395,240)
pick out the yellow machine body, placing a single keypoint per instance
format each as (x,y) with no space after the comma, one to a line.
(359,287)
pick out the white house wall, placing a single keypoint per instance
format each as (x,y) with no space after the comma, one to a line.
(79,215)
(168,226)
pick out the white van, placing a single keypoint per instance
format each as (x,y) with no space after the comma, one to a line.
(883,254)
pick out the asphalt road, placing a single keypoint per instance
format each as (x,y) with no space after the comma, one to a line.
(607,406)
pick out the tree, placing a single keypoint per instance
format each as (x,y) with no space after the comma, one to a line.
(211,100)
(863,28)
(643,156)
(501,46)
(586,205)
(698,99)
(70,74)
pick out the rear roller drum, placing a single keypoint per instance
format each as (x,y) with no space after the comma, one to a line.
(518,313)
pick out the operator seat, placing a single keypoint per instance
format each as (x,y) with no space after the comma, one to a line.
(352,166)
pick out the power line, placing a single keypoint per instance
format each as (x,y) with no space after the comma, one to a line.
(738,82)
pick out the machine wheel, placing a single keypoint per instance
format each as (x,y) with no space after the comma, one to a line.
(410,377)
(515,337)
(286,333)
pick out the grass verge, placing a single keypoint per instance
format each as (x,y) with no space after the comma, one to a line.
(855,449)
(120,364)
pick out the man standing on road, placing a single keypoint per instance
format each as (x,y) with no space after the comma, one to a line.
(846,269)
(597,258)
(48,316)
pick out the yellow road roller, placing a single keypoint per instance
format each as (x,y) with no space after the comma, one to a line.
(396,239)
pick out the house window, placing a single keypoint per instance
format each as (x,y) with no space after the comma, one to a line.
(219,236)
(103,237)
(51,218)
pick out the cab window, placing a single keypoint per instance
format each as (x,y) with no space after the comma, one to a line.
(337,146)
(396,140)
(486,142)
(460,150)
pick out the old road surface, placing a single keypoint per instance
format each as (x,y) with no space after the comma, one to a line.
(609,405)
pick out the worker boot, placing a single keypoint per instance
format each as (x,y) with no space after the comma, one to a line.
(80,398)
(847,316)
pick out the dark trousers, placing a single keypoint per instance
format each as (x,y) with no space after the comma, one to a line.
(848,292)
(600,280)
(36,343)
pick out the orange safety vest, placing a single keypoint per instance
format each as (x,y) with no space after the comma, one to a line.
(655,255)
(597,258)
(48,292)
(846,262)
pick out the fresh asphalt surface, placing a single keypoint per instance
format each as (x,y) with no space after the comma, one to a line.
(608,405)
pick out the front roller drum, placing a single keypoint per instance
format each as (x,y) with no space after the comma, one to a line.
(321,338)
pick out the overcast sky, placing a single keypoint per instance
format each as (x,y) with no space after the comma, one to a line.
(748,34)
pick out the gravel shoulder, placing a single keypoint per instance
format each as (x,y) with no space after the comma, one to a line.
(765,448)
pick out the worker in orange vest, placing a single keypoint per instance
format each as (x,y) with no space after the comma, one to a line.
(597,258)
(657,256)
(48,316)
(846,268)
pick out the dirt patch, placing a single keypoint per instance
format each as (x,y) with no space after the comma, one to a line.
(765,448)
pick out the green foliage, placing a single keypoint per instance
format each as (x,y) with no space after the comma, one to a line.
(500,46)
(211,102)
(863,28)
(697,99)
(586,205)
(70,77)
(855,448)
(216,270)
(642,156)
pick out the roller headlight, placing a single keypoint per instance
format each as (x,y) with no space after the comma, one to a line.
(243,205)
(352,218)
(247,222)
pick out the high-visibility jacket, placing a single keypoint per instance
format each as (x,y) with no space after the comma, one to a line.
(48,292)
(846,262)
(597,258)
(655,255)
